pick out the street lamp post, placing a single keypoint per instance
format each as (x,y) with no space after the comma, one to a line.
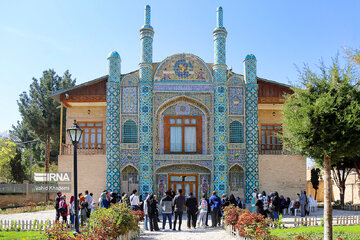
(75,133)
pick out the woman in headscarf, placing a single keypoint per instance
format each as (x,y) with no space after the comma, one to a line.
(72,210)
(232,200)
(63,208)
(83,210)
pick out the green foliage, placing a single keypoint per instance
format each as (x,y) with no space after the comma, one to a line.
(38,110)
(103,224)
(323,117)
(17,173)
(40,115)
(7,152)
(314,233)
(315,174)
(249,225)
(353,55)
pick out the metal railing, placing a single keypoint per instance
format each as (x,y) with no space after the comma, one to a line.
(273,149)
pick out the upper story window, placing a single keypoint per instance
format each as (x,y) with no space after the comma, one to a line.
(92,135)
(183,134)
(236,134)
(270,139)
(129,132)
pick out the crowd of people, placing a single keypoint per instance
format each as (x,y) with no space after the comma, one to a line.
(86,205)
(173,205)
(273,205)
(197,211)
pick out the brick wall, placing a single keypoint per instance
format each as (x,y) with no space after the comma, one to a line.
(91,172)
(285,174)
(19,200)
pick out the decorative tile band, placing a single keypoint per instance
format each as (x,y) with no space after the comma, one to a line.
(188,88)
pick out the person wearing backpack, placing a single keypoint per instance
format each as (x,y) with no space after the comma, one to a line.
(57,201)
(63,208)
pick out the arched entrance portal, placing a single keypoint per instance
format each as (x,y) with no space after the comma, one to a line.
(130,179)
(237,181)
(189,178)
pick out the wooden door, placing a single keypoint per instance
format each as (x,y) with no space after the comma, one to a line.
(187,182)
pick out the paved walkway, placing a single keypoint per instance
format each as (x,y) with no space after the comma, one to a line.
(40,215)
(184,234)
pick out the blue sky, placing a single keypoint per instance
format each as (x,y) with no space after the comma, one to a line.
(78,35)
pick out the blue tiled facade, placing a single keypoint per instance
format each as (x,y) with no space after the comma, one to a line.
(182,85)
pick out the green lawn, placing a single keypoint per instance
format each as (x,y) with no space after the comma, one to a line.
(347,232)
(25,235)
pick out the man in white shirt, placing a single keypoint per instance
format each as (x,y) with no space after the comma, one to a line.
(88,199)
(134,201)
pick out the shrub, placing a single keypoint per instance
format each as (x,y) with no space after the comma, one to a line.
(253,225)
(231,215)
(249,225)
(41,204)
(140,215)
(103,224)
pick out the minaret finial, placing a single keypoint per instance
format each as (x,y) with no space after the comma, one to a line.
(147,15)
(220,17)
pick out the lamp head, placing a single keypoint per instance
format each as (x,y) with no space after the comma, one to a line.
(74,133)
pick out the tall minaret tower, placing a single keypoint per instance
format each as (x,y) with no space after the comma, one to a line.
(146,107)
(220,108)
(252,139)
(113,124)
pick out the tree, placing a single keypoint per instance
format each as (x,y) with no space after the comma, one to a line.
(39,112)
(321,120)
(17,173)
(315,174)
(353,55)
(340,172)
(7,152)
(32,149)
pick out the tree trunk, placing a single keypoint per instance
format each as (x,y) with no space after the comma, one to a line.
(315,194)
(47,161)
(327,199)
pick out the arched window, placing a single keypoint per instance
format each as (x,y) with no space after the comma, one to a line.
(129,132)
(236,132)
(236,178)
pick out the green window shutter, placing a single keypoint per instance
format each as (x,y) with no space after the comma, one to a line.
(236,132)
(129,132)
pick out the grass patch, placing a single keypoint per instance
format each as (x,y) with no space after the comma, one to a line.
(22,235)
(344,232)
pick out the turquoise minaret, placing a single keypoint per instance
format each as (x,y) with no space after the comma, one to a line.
(220,108)
(252,139)
(113,124)
(146,107)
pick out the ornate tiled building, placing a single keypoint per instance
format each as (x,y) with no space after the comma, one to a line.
(181,124)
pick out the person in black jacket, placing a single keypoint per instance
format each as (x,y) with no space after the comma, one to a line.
(208,211)
(57,201)
(152,213)
(192,208)
(232,200)
(275,205)
(178,202)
